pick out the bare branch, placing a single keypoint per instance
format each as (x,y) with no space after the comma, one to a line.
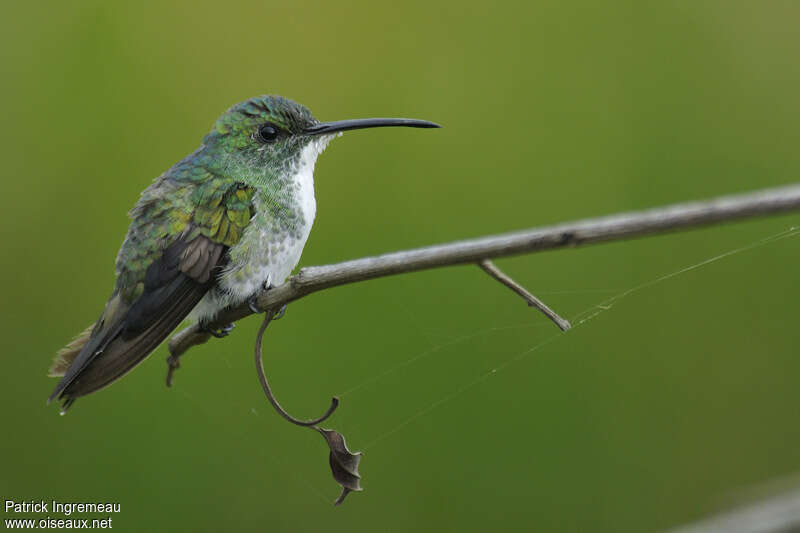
(603,229)
(491,269)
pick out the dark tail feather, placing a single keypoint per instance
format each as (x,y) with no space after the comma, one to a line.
(127,348)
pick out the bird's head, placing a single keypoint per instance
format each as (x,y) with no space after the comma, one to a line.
(270,137)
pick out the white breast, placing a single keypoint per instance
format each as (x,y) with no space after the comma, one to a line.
(265,252)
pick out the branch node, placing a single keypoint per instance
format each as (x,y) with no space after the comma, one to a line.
(179,343)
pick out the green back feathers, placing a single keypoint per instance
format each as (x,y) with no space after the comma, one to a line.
(186,201)
(224,217)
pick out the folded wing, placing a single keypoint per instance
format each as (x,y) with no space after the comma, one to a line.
(126,333)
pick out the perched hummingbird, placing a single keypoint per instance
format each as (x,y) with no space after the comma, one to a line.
(229,219)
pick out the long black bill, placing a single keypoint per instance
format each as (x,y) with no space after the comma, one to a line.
(357,124)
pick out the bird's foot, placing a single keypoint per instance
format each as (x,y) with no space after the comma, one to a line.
(224,331)
(252,303)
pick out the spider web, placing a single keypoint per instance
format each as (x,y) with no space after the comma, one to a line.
(578,320)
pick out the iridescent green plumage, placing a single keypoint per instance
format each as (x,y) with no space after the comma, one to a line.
(217,208)
(199,210)
(208,233)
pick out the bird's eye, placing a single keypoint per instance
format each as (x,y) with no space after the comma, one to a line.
(267,133)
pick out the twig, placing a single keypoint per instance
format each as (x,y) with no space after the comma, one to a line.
(262,377)
(609,228)
(491,269)
(343,462)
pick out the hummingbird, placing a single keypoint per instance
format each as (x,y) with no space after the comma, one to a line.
(226,221)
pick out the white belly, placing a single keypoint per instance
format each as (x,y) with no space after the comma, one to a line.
(271,245)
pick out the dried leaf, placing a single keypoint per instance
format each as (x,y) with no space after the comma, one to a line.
(344,464)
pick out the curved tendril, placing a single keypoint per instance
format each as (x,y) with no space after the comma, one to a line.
(262,377)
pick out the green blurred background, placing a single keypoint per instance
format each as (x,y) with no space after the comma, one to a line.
(658,411)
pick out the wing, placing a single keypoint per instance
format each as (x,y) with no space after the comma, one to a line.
(170,259)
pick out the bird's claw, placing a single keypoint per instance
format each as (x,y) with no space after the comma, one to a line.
(252,303)
(224,331)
